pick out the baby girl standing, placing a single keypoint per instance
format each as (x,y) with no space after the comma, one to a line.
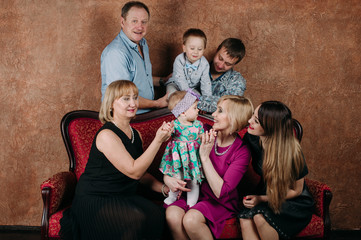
(181,156)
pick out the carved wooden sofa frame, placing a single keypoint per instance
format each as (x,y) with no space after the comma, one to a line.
(78,129)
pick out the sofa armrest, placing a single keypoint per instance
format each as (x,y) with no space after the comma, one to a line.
(322,195)
(58,191)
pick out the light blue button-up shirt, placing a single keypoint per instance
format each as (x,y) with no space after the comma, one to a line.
(121,60)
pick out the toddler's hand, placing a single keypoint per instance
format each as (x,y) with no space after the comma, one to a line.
(165,131)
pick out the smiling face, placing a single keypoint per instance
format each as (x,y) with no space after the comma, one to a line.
(221,119)
(135,24)
(255,127)
(126,105)
(194,48)
(222,62)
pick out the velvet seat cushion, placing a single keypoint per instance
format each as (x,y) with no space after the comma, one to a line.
(54,224)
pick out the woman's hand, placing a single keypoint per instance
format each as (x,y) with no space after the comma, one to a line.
(165,131)
(165,190)
(175,184)
(251,201)
(207,143)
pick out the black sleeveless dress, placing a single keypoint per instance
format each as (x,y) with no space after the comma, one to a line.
(106,205)
(295,213)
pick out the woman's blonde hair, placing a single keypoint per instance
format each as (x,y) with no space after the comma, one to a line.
(114,91)
(239,110)
(283,160)
(175,98)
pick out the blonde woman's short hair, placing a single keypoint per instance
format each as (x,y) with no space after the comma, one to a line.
(239,110)
(114,91)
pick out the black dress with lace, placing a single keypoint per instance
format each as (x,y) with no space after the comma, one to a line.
(106,205)
(295,213)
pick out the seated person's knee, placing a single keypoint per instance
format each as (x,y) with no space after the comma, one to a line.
(190,221)
(173,216)
(244,223)
(259,220)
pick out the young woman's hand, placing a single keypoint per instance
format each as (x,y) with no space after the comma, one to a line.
(251,201)
(207,143)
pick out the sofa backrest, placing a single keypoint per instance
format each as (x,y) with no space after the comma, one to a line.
(79,127)
(147,129)
(78,130)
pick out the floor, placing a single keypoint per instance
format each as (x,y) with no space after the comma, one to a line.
(35,235)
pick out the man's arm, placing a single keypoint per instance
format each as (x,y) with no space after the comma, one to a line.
(147,103)
(236,85)
(179,74)
(156,81)
(208,103)
(205,81)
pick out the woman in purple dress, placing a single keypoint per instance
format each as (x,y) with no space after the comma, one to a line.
(225,159)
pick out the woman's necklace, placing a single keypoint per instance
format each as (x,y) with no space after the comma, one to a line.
(131,131)
(222,153)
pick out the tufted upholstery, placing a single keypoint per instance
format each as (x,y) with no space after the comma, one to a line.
(78,129)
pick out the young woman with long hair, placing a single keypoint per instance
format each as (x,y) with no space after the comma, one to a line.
(283,205)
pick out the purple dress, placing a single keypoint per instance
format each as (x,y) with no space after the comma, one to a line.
(231,167)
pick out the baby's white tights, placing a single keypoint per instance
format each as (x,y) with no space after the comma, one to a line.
(192,196)
(172,197)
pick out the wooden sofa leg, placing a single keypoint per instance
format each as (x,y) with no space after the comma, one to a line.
(326,218)
(45,193)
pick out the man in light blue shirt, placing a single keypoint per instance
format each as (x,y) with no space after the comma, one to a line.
(127,57)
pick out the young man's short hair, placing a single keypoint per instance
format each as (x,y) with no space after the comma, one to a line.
(234,48)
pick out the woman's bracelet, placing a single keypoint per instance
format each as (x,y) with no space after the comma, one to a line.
(164,194)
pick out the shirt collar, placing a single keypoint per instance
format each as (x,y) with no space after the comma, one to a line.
(196,63)
(130,42)
(220,77)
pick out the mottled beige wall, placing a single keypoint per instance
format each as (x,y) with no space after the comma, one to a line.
(304,53)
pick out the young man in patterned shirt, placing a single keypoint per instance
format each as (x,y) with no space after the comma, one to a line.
(225,81)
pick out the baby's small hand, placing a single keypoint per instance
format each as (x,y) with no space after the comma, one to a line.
(167,126)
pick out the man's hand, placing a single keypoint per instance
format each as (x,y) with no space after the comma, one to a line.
(162,102)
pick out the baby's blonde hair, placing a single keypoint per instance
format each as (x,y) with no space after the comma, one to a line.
(175,98)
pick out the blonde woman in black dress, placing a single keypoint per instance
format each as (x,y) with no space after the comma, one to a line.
(106,205)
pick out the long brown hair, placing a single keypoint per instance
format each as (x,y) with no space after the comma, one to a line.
(282,160)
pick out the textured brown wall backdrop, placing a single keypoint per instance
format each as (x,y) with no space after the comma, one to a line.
(304,53)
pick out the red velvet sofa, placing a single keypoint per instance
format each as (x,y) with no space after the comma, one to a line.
(78,129)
